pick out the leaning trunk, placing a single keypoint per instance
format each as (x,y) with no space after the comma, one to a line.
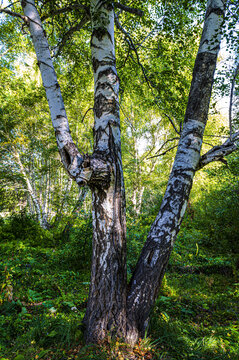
(106,309)
(152,263)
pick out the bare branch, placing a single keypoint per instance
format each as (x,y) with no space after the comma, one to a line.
(174,126)
(127,118)
(165,152)
(70,32)
(65,10)
(146,37)
(11,4)
(132,46)
(231,99)
(86,114)
(206,143)
(129,9)
(217,136)
(145,156)
(14,14)
(218,152)
(166,142)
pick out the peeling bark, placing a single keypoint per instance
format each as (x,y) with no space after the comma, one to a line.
(83,169)
(217,153)
(102,172)
(106,308)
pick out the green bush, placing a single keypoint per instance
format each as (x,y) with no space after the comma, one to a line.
(24,227)
(217,218)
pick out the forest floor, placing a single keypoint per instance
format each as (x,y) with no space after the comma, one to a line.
(43,299)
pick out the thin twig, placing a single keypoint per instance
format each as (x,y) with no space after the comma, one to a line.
(231,99)
(206,143)
(217,136)
(147,154)
(146,37)
(69,33)
(131,43)
(86,114)
(129,9)
(165,152)
(127,117)
(11,4)
(14,14)
(66,9)
(166,142)
(172,123)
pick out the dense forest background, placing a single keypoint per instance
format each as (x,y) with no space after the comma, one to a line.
(45,219)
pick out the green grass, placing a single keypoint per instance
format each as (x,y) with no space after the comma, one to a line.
(43,303)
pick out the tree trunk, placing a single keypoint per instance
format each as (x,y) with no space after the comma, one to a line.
(150,269)
(31,190)
(102,172)
(106,309)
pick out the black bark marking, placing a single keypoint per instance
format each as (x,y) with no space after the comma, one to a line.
(96,63)
(201,87)
(150,257)
(104,105)
(103,86)
(100,33)
(95,46)
(107,72)
(217,11)
(66,157)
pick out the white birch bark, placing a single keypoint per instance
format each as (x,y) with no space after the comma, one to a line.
(151,266)
(106,308)
(30,189)
(217,153)
(84,170)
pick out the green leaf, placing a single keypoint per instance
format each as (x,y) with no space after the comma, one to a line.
(53,333)
(19,357)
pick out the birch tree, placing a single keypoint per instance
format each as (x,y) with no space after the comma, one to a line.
(113,307)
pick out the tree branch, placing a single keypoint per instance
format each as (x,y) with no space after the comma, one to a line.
(132,46)
(69,33)
(161,154)
(174,126)
(166,142)
(66,9)
(86,114)
(218,152)
(14,14)
(82,168)
(129,9)
(231,99)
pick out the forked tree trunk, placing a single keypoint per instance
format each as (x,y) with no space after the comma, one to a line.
(150,269)
(102,172)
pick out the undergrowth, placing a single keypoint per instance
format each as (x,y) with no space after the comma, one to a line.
(43,299)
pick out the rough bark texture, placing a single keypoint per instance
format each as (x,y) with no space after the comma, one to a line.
(217,153)
(149,271)
(106,308)
(83,169)
(102,172)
